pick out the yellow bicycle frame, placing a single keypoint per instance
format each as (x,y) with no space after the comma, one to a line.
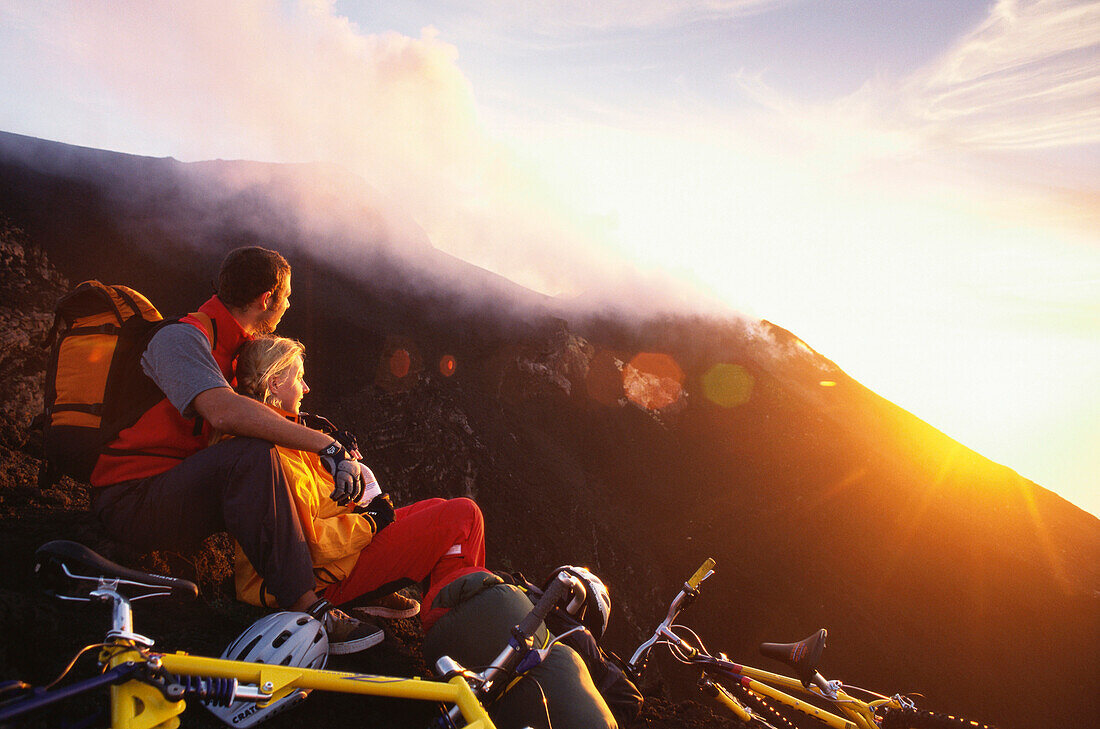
(857,714)
(860,714)
(137,705)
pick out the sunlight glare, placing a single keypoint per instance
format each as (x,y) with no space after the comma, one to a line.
(911,279)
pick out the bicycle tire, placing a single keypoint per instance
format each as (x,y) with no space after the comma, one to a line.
(760,704)
(918,719)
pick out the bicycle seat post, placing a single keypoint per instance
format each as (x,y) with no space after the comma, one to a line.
(122,617)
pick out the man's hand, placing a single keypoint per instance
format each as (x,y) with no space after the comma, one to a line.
(353,482)
(345,437)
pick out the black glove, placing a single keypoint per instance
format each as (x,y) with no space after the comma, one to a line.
(344,437)
(380,511)
(347,439)
(347,474)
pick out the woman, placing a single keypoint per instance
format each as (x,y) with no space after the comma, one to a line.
(365,549)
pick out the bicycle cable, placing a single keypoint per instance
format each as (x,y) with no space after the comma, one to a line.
(545,703)
(869,692)
(694,635)
(72,663)
(704,658)
(558,639)
(515,677)
(676,650)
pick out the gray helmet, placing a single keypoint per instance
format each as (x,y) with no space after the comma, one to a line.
(281,639)
(595,609)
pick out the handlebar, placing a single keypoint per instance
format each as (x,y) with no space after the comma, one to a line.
(515,657)
(636,664)
(562,585)
(705,570)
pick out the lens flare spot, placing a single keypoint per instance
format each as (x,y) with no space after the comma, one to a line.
(827,383)
(653,380)
(447,365)
(728,385)
(400,363)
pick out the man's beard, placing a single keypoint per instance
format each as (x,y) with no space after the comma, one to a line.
(267,324)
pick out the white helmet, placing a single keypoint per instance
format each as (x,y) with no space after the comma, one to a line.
(594,609)
(281,639)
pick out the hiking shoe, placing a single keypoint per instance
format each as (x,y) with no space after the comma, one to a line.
(393,606)
(345,633)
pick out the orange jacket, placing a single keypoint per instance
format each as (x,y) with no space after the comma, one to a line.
(335,534)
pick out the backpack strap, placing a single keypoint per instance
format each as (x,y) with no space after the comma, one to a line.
(120,292)
(208,325)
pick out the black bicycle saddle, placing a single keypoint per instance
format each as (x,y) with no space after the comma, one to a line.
(801,656)
(83,562)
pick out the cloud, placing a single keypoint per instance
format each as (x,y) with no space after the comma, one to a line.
(999,126)
(1027,77)
(267,80)
(573,17)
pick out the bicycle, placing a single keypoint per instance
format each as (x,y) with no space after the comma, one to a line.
(831,703)
(149,689)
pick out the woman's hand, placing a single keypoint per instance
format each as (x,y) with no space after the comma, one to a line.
(352,481)
(380,510)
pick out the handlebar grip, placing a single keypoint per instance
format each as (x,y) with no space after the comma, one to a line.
(560,588)
(701,574)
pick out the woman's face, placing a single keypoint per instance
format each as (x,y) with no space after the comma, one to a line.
(288,387)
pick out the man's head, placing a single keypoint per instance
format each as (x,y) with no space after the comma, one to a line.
(255,284)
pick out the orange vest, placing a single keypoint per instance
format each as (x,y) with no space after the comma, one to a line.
(161,438)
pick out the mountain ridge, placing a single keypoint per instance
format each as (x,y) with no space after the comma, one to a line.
(823,504)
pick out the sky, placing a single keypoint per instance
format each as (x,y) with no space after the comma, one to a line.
(911,187)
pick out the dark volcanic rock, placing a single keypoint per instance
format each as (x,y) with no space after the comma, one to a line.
(28,289)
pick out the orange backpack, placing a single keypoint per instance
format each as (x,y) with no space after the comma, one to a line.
(95,387)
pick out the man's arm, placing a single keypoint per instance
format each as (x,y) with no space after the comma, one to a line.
(178,359)
(236,414)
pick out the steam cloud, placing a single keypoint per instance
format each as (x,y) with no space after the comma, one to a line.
(259,80)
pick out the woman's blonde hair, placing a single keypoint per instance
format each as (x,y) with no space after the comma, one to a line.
(260,360)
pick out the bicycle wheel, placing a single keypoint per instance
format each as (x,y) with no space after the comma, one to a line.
(918,719)
(768,714)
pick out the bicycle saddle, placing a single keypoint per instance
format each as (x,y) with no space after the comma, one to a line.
(801,656)
(88,565)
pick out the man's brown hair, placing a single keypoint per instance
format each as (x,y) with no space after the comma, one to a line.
(248,273)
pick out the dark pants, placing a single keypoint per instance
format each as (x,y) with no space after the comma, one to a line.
(236,486)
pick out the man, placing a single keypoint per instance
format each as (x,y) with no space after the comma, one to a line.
(158,486)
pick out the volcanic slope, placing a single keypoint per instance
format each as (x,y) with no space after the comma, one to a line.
(935,570)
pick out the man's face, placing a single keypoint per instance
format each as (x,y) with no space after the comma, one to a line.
(277,304)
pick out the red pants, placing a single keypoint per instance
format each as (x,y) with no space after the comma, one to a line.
(435,539)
